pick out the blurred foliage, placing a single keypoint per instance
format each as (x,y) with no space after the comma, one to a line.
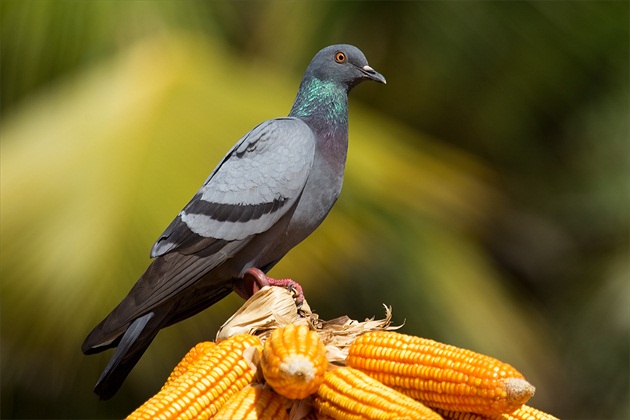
(486,196)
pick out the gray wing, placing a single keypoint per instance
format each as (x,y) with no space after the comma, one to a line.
(256,183)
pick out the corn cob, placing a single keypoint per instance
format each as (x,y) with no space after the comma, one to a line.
(440,375)
(294,361)
(524,413)
(254,402)
(349,394)
(206,385)
(190,359)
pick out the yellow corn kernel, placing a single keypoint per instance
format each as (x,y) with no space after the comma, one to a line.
(440,375)
(254,402)
(458,415)
(524,413)
(206,385)
(349,394)
(190,359)
(294,361)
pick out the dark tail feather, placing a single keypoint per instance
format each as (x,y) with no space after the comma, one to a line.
(130,349)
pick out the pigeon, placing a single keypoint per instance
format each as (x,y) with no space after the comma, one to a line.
(271,191)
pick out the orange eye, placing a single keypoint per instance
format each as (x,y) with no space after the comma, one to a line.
(340,57)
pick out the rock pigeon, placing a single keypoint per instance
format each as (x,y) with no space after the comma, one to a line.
(271,190)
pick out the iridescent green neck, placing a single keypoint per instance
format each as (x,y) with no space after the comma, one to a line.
(321,99)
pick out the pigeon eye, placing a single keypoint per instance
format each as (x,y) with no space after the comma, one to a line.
(340,57)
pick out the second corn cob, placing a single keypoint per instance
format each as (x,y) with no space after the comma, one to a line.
(189,360)
(440,375)
(206,385)
(254,402)
(349,394)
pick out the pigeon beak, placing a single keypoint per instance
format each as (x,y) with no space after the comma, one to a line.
(372,74)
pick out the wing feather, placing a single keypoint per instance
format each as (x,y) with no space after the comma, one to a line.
(255,184)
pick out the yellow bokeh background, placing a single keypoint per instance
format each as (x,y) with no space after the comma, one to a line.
(98,160)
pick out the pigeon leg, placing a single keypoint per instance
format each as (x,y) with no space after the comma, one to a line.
(254,280)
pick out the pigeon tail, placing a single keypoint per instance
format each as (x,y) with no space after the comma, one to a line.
(130,349)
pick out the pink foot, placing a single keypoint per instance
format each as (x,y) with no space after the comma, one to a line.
(254,280)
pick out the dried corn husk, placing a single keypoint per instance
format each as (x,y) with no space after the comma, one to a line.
(274,307)
(267,309)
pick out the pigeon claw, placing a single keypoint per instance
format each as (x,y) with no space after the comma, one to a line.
(292,286)
(254,280)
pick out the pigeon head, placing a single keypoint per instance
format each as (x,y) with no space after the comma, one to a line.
(332,73)
(344,65)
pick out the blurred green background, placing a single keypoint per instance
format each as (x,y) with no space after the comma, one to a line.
(486,195)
